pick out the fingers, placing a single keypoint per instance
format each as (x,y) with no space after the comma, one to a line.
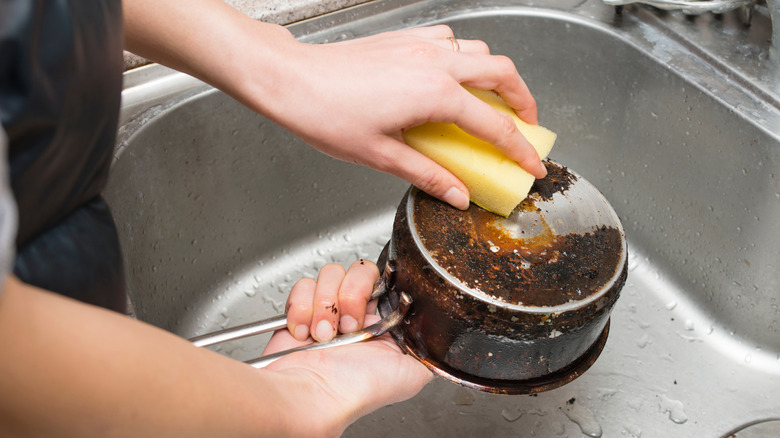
(427,175)
(439,31)
(482,121)
(325,312)
(312,307)
(299,308)
(441,35)
(500,74)
(457,45)
(337,301)
(355,293)
(474,66)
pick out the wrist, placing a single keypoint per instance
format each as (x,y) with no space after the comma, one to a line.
(307,396)
(257,73)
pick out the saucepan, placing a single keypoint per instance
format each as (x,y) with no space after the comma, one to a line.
(513,305)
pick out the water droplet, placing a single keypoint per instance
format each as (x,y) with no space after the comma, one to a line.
(605,393)
(632,431)
(511,414)
(671,305)
(675,408)
(688,325)
(463,397)
(643,341)
(276,304)
(584,418)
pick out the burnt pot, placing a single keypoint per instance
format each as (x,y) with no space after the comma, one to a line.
(482,313)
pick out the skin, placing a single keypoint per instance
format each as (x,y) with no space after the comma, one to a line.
(350,99)
(71,369)
(335,306)
(60,376)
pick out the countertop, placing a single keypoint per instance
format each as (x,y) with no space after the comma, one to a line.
(271,11)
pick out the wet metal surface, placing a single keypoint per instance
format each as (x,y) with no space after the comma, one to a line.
(675,120)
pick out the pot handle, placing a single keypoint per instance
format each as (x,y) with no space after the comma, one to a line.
(280,321)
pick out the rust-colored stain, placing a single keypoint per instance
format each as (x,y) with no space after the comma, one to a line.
(477,342)
(541,269)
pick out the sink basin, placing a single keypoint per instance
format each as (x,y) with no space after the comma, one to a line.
(220,211)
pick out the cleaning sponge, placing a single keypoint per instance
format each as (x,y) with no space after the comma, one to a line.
(495,182)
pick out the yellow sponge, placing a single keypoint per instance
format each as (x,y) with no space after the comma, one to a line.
(495,182)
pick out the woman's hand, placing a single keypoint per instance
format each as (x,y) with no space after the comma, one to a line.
(353,99)
(344,382)
(350,99)
(337,302)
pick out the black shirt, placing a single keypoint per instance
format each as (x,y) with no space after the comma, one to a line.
(60,86)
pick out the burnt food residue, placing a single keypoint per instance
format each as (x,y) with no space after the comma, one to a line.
(541,270)
(558,180)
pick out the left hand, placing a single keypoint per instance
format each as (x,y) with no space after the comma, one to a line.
(337,302)
(348,381)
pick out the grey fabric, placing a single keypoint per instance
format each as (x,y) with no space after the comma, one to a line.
(7,214)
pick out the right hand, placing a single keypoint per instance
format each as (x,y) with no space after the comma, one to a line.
(350,99)
(353,99)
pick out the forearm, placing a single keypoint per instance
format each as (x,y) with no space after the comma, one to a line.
(210,40)
(349,99)
(76,370)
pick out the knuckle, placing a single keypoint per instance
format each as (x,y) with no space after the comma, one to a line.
(482,46)
(442,84)
(507,129)
(299,310)
(430,180)
(299,302)
(444,28)
(352,299)
(441,30)
(327,309)
(506,66)
(531,104)
(353,292)
(385,160)
(421,50)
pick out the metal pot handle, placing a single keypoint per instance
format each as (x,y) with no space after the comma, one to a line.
(280,321)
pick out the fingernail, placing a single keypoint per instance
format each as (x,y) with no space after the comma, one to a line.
(456,198)
(348,324)
(301,332)
(324,331)
(542,170)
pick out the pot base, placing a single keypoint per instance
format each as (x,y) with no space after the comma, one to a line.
(498,386)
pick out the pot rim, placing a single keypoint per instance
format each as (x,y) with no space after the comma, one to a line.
(542,310)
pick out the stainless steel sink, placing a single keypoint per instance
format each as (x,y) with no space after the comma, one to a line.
(675,120)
